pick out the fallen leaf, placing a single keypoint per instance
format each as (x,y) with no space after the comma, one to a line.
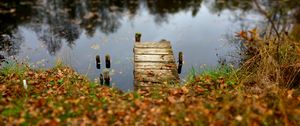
(95,46)
(185,89)
(239,118)
(199,89)
(171,99)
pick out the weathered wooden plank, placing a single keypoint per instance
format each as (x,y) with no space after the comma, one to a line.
(153,51)
(146,84)
(154,58)
(165,44)
(158,79)
(152,72)
(154,65)
(141,84)
(156,74)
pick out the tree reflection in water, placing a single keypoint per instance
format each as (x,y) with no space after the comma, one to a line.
(56,21)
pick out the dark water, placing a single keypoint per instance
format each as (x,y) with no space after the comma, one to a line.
(42,32)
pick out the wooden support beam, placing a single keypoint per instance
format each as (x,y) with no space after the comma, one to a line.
(107,61)
(98,62)
(138,37)
(101,79)
(106,78)
(180,62)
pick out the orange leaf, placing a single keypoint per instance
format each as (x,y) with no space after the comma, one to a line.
(171,99)
(199,89)
(242,34)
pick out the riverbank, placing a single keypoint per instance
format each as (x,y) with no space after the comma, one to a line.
(61,96)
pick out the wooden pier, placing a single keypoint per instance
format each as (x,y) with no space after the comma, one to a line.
(154,64)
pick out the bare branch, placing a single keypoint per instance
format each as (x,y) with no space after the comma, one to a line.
(268,17)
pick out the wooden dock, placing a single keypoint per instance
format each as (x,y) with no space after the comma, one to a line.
(154,64)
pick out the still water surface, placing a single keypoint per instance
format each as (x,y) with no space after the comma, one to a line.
(75,32)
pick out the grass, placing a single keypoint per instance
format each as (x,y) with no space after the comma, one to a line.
(10,67)
(220,76)
(271,61)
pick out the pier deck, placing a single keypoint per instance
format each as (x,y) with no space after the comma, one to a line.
(154,64)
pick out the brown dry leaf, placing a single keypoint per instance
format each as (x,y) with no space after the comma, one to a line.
(60,74)
(298,50)
(52,123)
(174,91)
(298,98)
(43,76)
(290,94)
(40,103)
(297,111)
(199,89)
(208,79)
(182,98)
(171,99)
(30,73)
(185,89)
(140,104)
(217,123)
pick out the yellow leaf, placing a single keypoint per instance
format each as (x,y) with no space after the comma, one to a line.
(185,90)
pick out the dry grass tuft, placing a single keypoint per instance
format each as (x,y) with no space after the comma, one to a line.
(271,61)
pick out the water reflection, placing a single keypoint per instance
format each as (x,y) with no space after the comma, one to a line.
(58,20)
(162,8)
(12,14)
(192,25)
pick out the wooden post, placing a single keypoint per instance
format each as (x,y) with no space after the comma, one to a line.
(106,78)
(101,79)
(98,62)
(180,62)
(138,37)
(180,57)
(107,61)
(179,68)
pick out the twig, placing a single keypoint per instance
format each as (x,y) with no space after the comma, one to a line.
(268,17)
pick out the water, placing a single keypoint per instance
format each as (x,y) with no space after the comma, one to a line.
(43,32)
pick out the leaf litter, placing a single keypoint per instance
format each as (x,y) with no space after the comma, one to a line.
(60,96)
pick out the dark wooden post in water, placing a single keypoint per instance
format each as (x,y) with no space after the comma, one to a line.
(101,79)
(106,78)
(98,62)
(180,62)
(138,37)
(107,61)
